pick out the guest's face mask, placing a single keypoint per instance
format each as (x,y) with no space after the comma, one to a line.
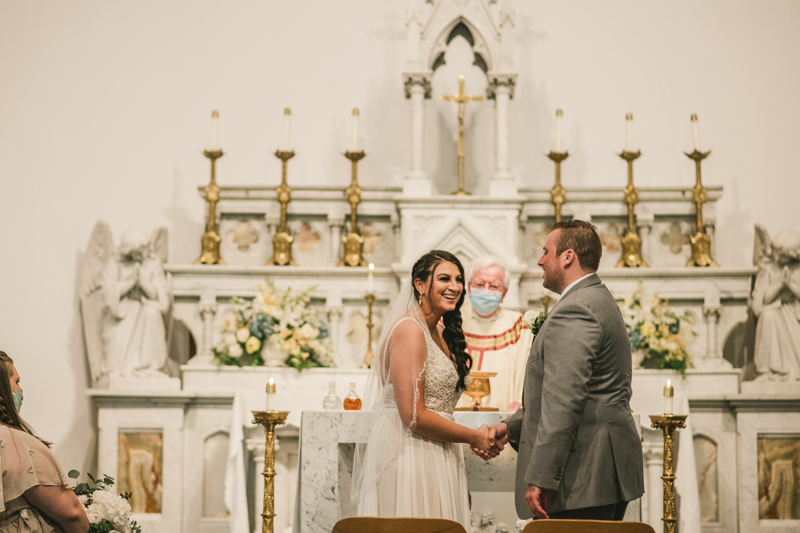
(485,302)
(18,399)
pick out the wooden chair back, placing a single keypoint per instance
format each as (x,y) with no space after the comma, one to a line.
(586,526)
(372,524)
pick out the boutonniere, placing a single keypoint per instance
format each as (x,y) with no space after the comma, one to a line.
(535,321)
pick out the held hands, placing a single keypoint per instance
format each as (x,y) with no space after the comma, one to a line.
(484,443)
(497,437)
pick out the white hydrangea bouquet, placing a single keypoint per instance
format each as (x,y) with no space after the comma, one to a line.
(278,320)
(656,332)
(107,511)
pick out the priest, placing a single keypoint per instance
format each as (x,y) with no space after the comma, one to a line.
(497,338)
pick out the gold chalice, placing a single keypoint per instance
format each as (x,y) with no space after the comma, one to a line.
(478,389)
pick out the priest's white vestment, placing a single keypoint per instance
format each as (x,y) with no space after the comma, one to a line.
(500,344)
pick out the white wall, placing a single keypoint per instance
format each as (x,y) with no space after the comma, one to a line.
(104,111)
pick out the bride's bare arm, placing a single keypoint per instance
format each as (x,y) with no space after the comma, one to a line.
(407,352)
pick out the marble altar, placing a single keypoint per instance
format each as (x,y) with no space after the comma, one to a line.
(326,462)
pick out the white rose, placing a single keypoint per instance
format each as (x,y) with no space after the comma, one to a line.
(309,332)
(252,345)
(82,499)
(230,339)
(235,351)
(242,334)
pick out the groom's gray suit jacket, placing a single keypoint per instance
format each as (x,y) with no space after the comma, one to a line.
(575,433)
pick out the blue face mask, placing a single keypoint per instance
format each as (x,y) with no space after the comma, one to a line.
(18,399)
(485,302)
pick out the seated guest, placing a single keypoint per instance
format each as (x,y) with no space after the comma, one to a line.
(36,497)
(497,339)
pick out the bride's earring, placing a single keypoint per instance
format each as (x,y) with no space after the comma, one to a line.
(420,300)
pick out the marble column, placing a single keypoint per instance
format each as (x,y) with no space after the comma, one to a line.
(501,89)
(653,500)
(418,88)
(713,358)
(208,310)
(334,308)
(335,223)
(256,449)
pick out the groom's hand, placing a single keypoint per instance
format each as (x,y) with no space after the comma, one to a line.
(498,436)
(537,501)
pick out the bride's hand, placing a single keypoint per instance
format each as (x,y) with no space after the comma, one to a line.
(485,443)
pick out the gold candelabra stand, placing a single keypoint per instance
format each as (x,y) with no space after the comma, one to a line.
(353,242)
(701,241)
(631,241)
(269,419)
(210,241)
(668,424)
(370,355)
(282,241)
(557,194)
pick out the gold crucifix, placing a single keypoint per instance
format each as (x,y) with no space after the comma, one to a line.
(461,99)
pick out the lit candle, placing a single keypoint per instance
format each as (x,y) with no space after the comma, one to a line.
(355,131)
(669,393)
(695,134)
(370,279)
(629,132)
(287,114)
(559,117)
(271,394)
(214,131)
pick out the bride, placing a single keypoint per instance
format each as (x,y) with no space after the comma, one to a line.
(412,464)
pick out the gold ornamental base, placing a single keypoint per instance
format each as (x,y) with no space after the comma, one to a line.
(269,419)
(668,424)
(209,244)
(631,251)
(353,250)
(701,251)
(282,250)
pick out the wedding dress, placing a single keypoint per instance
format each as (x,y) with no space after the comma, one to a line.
(399,473)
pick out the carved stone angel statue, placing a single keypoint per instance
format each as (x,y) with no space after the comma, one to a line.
(125,303)
(775,301)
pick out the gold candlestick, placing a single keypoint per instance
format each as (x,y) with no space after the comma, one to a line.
(631,242)
(557,193)
(269,419)
(210,241)
(701,241)
(668,424)
(353,242)
(282,241)
(369,356)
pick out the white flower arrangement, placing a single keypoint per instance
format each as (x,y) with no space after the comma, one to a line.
(107,511)
(277,319)
(657,330)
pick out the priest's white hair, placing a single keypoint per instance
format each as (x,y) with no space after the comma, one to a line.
(486,261)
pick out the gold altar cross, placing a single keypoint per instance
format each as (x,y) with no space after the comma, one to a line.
(461,99)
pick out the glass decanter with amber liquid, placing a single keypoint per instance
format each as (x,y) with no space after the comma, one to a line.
(352,402)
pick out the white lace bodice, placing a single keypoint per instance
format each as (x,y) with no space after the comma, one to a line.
(441,377)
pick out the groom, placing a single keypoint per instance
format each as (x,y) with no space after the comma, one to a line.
(580,455)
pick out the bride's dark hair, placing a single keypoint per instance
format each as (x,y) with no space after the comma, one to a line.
(453,335)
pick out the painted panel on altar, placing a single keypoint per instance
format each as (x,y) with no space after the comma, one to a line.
(671,246)
(140,469)
(379,242)
(311,241)
(778,477)
(245,240)
(705,453)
